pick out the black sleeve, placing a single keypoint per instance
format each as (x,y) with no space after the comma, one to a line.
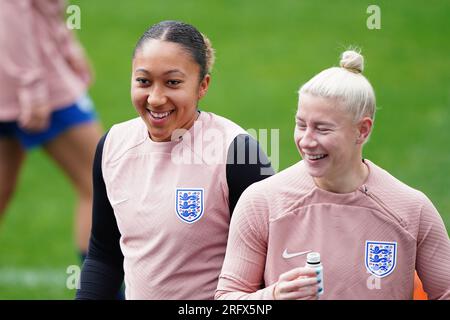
(246,164)
(102,272)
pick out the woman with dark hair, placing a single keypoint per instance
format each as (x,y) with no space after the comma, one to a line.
(165,183)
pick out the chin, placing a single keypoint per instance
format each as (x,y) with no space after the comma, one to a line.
(315,172)
(158,136)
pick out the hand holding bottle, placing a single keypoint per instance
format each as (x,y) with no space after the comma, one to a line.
(297,284)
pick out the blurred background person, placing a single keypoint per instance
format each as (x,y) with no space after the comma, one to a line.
(44,76)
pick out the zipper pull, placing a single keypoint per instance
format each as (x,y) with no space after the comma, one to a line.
(365,189)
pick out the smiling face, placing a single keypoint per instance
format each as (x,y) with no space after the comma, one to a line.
(330,142)
(165,88)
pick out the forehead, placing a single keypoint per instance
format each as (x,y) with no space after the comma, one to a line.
(157,56)
(319,109)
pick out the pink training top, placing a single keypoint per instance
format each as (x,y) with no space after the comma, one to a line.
(370,240)
(35,43)
(170,252)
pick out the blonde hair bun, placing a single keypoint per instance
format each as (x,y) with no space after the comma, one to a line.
(347,84)
(352,61)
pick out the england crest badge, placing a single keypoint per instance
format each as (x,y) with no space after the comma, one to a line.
(380,257)
(189,204)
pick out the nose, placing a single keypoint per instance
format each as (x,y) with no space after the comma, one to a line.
(156,97)
(307,139)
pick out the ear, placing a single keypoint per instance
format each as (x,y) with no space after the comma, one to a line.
(364,128)
(203,87)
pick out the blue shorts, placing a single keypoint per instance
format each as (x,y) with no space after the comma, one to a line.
(82,111)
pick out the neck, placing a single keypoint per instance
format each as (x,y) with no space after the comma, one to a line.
(191,122)
(345,182)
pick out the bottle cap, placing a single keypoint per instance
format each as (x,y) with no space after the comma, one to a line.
(313,257)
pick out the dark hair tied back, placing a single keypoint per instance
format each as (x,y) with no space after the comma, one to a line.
(186,35)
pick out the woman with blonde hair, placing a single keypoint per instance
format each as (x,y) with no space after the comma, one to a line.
(371,230)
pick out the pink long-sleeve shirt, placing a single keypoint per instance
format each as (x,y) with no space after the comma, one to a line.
(34,47)
(370,240)
(167,255)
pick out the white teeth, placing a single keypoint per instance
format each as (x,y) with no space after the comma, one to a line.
(315,156)
(160,115)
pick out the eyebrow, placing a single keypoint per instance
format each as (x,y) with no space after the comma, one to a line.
(165,73)
(317,123)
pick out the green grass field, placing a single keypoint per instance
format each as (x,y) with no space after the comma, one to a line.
(265,51)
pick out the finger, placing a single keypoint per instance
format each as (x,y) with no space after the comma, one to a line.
(298,285)
(23,120)
(35,125)
(302,288)
(26,125)
(289,296)
(298,272)
(311,297)
(304,282)
(309,293)
(42,126)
